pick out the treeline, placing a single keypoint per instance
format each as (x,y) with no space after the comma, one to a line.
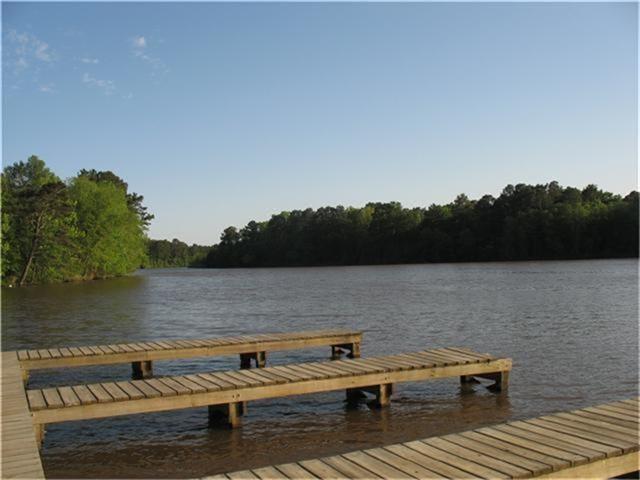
(165,254)
(87,227)
(526,222)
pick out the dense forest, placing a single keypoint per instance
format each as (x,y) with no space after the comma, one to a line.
(88,227)
(165,254)
(526,222)
(91,226)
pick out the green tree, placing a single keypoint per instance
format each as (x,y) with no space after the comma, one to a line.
(112,240)
(38,224)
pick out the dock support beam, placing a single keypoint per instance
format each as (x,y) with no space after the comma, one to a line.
(39,431)
(227,415)
(501,380)
(382,393)
(260,359)
(352,348)
(140,370)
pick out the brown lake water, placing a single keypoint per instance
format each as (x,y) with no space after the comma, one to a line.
(571,328)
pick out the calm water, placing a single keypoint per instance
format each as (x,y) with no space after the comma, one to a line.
(570,327)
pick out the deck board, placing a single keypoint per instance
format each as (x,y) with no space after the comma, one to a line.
(76,356)
(101,400)
(519,449)
(19,457)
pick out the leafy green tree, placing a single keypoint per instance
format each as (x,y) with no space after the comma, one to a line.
(112,240)
(38,223)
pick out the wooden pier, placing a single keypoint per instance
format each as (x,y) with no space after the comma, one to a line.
(599,442)
(142,354)
(19,448)
(230,390)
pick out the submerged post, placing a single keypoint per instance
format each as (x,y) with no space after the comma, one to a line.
(143,369)
(226,415)
(260,359)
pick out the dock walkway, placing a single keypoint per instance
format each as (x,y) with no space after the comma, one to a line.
(19,449)
(141,354)
(597,442)
(231,389)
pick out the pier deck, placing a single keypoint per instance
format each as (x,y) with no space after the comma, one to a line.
(141,354)
(231,389)
(19,448)
(598,442)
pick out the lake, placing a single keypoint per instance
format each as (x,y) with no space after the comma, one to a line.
(571,328)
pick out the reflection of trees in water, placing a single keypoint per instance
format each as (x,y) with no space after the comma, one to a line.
(101,311)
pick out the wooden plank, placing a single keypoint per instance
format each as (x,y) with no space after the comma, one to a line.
(611,413)
(55,353)
(222,384)
(596,423)
(269,473)
(191,385)
(320,469)
(602,428)
(229,379)
(100,393)
(130,389)
(404,465)
(510,448)
(526,467)
(148,390)
(178,387)
(247,379)
(584,453)
(115,391)
(44,353)
(494,464)
(349,469)
(608,440)
(209,386)
(533,445)
(164,390)
(604,418)
(36,400)
(84,394)
(441,469)
(52,397)
(243,475)
(68,396)
(473,468)
(293,470)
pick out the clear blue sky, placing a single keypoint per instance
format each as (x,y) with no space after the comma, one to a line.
(223,113)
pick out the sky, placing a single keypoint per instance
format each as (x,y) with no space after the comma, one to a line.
(220,113)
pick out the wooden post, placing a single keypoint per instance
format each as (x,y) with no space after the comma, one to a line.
(502,383)
(39,431)
(261,359)
(354,395)
(383,394)
(227,415)
(355,350)
(501,380)
(143,369)
(245,360)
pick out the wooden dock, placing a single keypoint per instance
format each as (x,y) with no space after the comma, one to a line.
(141,354)
(20,456)
(598,442)
(225,393)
